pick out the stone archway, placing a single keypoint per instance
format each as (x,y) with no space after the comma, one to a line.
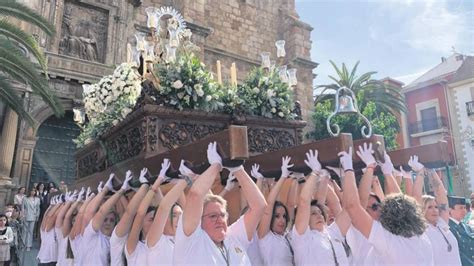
(28,138)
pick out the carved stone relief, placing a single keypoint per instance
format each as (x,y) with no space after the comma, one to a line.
(84,32)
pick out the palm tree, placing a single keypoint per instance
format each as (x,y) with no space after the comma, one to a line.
(386,97)
(14,63)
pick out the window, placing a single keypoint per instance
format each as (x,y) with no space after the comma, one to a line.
(428,119)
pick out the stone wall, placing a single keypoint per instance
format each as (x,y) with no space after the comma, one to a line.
(226,30)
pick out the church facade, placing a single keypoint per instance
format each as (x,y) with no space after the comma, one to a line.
(91,39)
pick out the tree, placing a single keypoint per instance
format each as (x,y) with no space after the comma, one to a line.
(15,64)
(377,101)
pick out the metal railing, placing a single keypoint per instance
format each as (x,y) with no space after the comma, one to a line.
(428,124)
(470,108)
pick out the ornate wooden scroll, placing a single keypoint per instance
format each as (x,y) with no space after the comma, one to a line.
(232,145)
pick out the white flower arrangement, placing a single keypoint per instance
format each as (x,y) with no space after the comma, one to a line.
(109,101)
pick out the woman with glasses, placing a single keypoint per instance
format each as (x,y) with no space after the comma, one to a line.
(202,236)
(398,237)
(313,241)
(273,239)
(98,224)
(368,184)
(444,243)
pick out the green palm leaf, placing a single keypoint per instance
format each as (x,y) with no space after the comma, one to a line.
(10,98)
(11,31)
(11,8)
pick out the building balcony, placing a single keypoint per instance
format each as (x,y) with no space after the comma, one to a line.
(428,125)
(470,108)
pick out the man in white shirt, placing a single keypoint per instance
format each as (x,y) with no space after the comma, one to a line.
(202,236)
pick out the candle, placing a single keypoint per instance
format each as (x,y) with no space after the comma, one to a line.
(219,73)
(129,53)
(233,75)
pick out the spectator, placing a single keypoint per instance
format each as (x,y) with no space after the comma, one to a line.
(18,199)
(462,232)
(31,212)
(63,187)
(13,215)
(6,237)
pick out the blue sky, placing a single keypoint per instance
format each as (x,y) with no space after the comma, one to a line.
(397,38)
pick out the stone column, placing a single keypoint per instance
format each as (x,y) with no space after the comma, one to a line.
(7,148)
(7,145)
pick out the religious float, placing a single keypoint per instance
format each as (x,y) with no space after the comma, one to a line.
(164,103)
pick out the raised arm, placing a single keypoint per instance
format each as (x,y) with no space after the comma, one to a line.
(51,217)
(94,204)
(228,186)
(377,188)
(62,211)
(343,220)
(292,198)
(391,185)
(125,223)
(304,202)
(420,178)
(408,181)
(134,235)
(441,195)
(366,154)
(66,228)
(194,202)
(359,216)
(255,200)
(77,226)
(264,225)
(158,226)
(109,204)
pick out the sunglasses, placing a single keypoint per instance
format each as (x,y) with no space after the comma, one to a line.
(375,206)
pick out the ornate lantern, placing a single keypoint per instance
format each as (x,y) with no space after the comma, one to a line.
(280,44)
(346,103)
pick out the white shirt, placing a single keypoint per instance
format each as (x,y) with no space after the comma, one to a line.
(440,247)
(162,252)
(95,247)
(359,244)
(199,249)
(49,247)
(117,245)
(315,247)
(62,248)
(397,250)
(138,256)
(275,249)
(253,251)
(76,249)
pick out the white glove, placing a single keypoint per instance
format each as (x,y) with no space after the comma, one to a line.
(414,164)
(346,159)
(387,166)
(285,164)
(88,193)
(52,201)
(184,170)
(166,164)
(255,173)
(100,186)
(73,196)
(142,177)
(81,193)
(366,154)
(128,177)
(109,185)
(312,161)
(230,182)
(212,155)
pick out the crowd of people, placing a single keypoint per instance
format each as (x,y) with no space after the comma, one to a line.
(321,221)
